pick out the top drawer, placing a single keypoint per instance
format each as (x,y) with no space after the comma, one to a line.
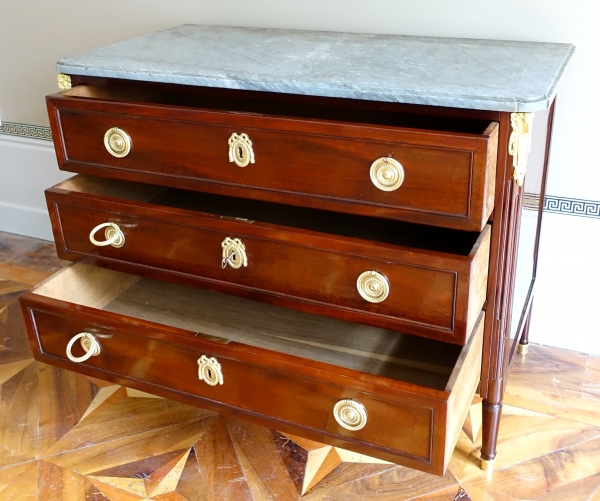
(440,174)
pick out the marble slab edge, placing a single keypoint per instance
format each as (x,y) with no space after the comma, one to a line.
(105,63)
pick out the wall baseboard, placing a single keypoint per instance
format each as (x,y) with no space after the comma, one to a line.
(563,205)
(26,130)
(23,220)
(28,168)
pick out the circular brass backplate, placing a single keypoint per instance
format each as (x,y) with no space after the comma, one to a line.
(387,174)
(117,142)
(88,342)
(209,371)
(350,414)
(113,234)
(116,233)
(373,286)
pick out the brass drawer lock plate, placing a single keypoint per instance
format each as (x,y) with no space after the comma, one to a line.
(209,371)
(88,342)
(240,150)
(350,414)
(234,253)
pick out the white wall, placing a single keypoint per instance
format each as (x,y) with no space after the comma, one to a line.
(35,34)
(566,303)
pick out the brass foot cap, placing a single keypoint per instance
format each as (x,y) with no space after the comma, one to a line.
(487,466)
(523,349)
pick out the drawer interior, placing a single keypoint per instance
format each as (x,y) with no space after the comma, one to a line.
(290,106)
(228,319)
(456,242)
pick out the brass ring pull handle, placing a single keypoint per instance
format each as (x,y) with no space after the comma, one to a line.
(114,235)
(88,342)
(234,253)
(350,414)
(209,371)
(117,142)
(387,174)
(373,286)
(240,150)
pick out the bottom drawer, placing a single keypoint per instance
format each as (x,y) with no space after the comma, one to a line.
(370,390)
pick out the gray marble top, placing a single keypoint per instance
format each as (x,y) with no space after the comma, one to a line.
(461,73)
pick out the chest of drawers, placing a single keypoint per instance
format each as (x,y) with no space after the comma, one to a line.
(334,261)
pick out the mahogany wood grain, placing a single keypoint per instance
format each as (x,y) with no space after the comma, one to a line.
(504,245)
(494,343)
(448,174)
(298,266)
(406,421)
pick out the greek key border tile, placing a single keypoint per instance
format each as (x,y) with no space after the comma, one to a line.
(25,130)
(572,206)
(562,205)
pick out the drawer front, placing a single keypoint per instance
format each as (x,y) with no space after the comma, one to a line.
(447,178)
(400,426)
(428,296)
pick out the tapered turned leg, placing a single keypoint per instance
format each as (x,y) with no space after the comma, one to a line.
(523,347)
(490,425)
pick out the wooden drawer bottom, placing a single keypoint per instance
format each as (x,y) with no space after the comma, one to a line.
(280,367)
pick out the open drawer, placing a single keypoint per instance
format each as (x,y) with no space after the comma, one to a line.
(376,392)
(431,170)
(420,280)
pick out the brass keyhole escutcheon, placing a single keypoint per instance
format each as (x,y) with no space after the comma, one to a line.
(240,150)
(117,142)
(350,414)
(387,174)
(234,253)
(209,371)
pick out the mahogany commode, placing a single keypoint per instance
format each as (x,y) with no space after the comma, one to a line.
(316,254)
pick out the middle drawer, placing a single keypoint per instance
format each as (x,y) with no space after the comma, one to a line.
(421,280)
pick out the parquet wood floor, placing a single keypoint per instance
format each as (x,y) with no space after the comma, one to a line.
(68,437)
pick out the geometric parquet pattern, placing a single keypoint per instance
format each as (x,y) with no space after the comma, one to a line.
(68,437)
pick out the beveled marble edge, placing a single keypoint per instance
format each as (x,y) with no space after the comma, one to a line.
(233,66)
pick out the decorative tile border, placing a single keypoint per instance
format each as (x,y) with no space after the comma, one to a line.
(561,205)
(572,206)
(25,130)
